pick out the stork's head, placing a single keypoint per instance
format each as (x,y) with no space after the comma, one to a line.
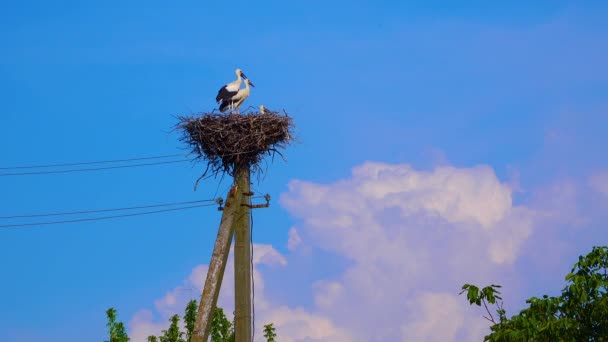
(262,109)
(239,73)
(247,81)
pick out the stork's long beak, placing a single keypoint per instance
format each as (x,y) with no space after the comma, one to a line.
(243,75)
(251,84)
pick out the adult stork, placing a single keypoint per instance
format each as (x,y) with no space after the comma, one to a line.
(235,101)
(230,89)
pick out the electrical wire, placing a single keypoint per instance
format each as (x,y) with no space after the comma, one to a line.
(99,162)
(88,169)
(103,217)
(104,210)
(92,162)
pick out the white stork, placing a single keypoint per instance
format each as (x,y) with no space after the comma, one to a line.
(235,101)
(264,110)
(230,89)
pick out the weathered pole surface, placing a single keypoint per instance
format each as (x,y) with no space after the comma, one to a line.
(215,274)
(242,261)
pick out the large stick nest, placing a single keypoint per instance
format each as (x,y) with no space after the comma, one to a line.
(230,142)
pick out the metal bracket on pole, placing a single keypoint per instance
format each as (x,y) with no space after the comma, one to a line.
(257,206)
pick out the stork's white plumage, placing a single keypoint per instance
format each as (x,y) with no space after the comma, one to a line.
(262,109)
(235,101)
(230,89)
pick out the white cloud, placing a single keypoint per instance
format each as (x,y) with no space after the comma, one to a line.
(381,203)
(599,182)
(267,255)
(559,201)
(510,234)
(412,239)
(294,239)
(439,318)
(457,195)
(299,325)
(143,325)
(326,293)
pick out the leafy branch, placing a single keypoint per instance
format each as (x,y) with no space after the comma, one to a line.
(579,314)
(488,294)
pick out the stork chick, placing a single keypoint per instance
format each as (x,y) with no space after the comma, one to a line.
(235,101)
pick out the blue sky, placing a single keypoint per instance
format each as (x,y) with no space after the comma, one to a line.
(521,88)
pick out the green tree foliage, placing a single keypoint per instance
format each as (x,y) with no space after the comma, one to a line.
(222,330)
(173,334)
(270,332)
(116,330)
(580,313)
(190,319)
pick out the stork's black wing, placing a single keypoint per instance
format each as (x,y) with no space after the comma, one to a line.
(224,94)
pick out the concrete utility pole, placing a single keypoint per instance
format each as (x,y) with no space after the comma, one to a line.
(234,145)
(215,274)
(242,261)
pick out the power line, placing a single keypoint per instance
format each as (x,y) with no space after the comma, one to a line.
(104,210)
(98,162)
(102,217)
(88,169)
(92,162)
